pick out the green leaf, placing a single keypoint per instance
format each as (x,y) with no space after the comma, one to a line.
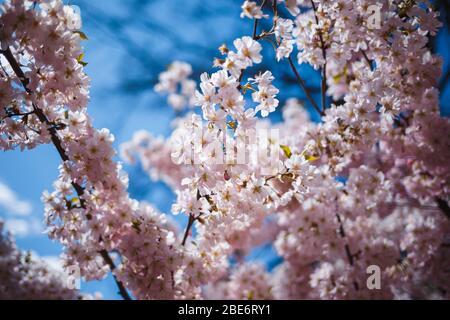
(232,125)
(311,158)
(80,60)
(136,225)
(287,151)
(82,35)
(246,87)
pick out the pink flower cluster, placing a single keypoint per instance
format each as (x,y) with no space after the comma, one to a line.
(45,98)
(27,277)
(385,144)
(176,83)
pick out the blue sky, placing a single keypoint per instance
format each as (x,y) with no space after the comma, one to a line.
(196,26)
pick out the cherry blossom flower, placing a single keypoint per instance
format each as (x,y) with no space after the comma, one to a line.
(252,10)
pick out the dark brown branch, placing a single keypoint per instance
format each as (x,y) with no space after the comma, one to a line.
(443,206)
(275,8)
(17,114)
(188,228)
(323,86)
(255,23)
(350,256)
(255,37)
(300,81)
(193,218)
(62,153)
(304,88)
(367,59)
(294,69)
(324,55)
(343,235)
(122,291)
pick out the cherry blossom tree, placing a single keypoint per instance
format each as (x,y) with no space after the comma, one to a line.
(366,186)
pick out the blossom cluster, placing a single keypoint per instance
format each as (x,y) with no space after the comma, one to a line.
(45,97)
(176,83)
(27,277)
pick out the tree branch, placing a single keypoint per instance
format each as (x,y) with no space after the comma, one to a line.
(350,256)
(255,23)
(188,228)
(324,55)
(300,81)
(62,153)
(367,59)
(294,69)
(303,86)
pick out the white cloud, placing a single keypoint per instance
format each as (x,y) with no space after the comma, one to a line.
(23,227)
(54,262)
(11,203)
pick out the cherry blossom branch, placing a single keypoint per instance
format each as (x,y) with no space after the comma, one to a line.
(301,82)
(303,86)
(343,235)
(255,37)
(188,228)
(255,23)
(4,73)
(122,291)
(350,256)
(17,114)
(275,8)
(62,153)
(324,55)
(192,219)
(294,69)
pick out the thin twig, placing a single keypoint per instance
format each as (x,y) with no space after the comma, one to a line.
(304,88)
(122,291)
(188,228)
(62,153)
(367,59)
(255,23)
(294,69)
(343,235)
(255,37)
(324,55)
(350,256)
(275,8)
(296,73)
(17,114)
